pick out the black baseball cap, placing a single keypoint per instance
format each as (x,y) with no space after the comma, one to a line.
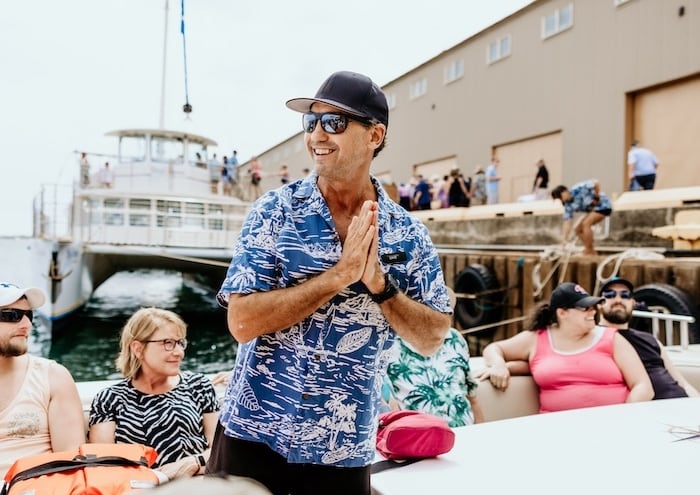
(617,280)
(571,295)
(352,92)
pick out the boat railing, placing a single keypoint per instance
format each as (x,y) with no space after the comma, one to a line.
(673,325)
(53,212)
(100,216)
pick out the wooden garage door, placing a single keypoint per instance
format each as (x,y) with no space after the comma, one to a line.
(667,121)
(518,160)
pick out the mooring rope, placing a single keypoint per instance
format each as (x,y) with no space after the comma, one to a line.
(618,258)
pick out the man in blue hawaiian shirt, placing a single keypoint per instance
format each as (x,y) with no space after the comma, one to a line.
(583,197)
(326,272)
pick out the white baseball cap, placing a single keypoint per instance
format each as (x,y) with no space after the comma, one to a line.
(10,293)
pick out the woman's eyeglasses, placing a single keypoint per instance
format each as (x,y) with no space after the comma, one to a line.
(584,310)
(14,315)
(332,123)
(610,294)
(169,344)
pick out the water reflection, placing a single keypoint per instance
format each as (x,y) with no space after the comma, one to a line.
(89,343)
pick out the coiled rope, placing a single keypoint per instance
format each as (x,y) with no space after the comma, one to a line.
(634,253)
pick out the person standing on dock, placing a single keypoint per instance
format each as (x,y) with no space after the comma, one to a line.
(642,165)
(40,409)
(492,181)
(583,197)
(541,182)
(326,272)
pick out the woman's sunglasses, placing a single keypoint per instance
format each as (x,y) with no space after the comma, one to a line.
(610,294)
(15,315)
(332,123)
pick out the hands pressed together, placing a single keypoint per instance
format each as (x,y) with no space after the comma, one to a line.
(360,257)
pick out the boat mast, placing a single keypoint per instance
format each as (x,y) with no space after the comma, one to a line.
(162,86)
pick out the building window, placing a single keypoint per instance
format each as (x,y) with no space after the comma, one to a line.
(418,88)
(391,100)
(454,71)
(558,21)
(498,49)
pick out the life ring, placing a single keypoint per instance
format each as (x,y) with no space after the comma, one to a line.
(673,300)
(483,302)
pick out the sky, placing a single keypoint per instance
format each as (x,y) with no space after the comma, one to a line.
(73,70)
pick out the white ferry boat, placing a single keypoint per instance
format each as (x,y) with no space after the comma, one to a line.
(160,211)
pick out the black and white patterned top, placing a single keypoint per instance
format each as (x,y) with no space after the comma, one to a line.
(171,423)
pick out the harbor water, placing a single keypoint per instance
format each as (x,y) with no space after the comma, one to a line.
(88,343)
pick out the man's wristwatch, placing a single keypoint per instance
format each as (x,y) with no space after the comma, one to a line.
(390,290)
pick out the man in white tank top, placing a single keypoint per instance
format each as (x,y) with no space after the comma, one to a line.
(40,409)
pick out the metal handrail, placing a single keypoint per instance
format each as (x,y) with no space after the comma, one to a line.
(668,319)
(655,317)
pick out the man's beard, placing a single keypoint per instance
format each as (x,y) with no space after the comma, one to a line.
(7,349)
(618,316)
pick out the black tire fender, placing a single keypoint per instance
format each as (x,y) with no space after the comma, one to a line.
(674,300)
(486,305)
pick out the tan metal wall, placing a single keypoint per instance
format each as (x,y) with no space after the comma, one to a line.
(578,83)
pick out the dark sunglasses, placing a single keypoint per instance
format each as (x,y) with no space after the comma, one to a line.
(332,123)
(14,315)
(610,294)
(169,344)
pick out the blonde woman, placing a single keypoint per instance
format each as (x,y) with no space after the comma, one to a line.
(157,404)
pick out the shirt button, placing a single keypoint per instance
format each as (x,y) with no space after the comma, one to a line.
(305,396)
(317,357)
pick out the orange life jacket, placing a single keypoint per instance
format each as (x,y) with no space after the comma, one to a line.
(92,469)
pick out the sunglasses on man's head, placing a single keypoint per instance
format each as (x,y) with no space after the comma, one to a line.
(14,315)
(610,294)
(332,123)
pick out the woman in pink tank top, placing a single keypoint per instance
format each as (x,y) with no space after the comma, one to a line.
(574,362)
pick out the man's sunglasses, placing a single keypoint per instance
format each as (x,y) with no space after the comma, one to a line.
(332,123)
(15,315)
(610,294)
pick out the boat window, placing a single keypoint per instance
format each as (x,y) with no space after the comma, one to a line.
(194,222)
(139,204)
(197,154)
(113,219)
(172,221)
(216,224)
(132,149)
(169,206)
(114,203)
(167,150)
(137,220)
(194,208)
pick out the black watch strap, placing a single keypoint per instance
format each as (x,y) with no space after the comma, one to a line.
(390,290)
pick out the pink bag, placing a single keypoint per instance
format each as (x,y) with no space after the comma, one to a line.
(413,435)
